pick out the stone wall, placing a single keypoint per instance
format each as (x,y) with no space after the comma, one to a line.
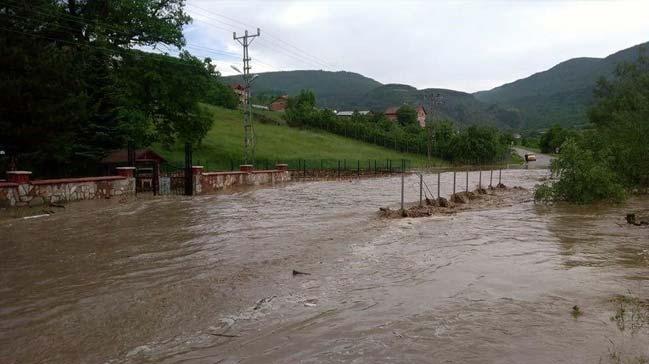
(37,192)
(210,182)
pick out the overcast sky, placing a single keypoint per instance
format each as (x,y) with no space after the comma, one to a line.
(460,45)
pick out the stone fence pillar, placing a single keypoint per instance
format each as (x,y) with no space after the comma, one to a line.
(245,168)
(281,167)
(197,174)
(20,177)
(128,172)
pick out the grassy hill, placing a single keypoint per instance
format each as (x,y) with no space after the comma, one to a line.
(561,94)
(224,141)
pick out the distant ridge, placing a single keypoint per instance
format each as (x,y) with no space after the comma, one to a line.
(561,94)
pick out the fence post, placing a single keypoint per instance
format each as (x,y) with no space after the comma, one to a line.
(500,174)
(467,180)
(189,176)
(438,178)
(421,182)
(454,182)
(304,168)
(491,177)
(480,180)
(402,182)
(358,168)
(339,168)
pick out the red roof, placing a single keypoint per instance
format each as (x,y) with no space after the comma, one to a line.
(392,110)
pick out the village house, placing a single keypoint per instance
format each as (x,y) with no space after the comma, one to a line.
(391,114)
(279,104)
(240,90)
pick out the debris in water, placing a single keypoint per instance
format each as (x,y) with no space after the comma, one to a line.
(297,272)
(262,301)
(576,311)
(35,216)
(222,335)
(636,220)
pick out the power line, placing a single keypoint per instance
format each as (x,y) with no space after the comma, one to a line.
(273,47)
(305,55)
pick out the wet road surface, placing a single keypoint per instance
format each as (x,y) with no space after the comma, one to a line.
(542,160)
(209,279)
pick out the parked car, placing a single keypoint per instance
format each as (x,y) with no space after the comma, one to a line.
(530,157)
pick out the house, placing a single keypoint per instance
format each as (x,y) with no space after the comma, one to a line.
(146,161)
(279,104)
(391,114)
(421,116)
(351,113)
(240,91)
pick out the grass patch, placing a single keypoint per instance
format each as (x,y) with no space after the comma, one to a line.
(224,143)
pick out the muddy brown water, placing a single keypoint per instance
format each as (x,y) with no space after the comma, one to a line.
(209,279)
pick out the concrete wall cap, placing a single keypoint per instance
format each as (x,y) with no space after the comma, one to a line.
(125,168)
(19,172)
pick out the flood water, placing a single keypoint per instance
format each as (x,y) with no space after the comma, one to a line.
(209,279)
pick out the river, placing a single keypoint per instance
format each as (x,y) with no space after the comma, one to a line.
(210,279)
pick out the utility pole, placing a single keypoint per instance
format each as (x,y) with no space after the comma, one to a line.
(435,100)
(249,133)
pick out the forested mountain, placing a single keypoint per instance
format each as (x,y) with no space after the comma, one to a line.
(561,94)
(333,89)
(352,91)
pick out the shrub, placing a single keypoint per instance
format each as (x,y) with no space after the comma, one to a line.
(584,177)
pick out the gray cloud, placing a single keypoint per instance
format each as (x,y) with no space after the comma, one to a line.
(469,46)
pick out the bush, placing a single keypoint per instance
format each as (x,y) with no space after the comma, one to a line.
(584,177)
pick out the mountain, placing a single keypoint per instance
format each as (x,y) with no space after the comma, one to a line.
(332,89)
(352,91)
(561,94)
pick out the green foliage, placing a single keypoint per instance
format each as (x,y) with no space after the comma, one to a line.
(584,177)
(73,87)
(407,115)
(621,120)
(159,99)
(479,145)
(613,154)
(551,141)
(473,145)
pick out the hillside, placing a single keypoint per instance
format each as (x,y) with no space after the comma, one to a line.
(333,89)
(351,91)
(223,143)
(560,94)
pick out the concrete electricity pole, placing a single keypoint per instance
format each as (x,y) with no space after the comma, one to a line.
(249,133)
(435,100)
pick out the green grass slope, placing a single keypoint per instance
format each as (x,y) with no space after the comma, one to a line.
(224,141)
